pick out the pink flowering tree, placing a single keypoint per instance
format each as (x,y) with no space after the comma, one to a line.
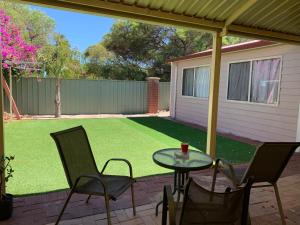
(13,47)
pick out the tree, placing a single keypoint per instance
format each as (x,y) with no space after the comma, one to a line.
(35,26)
(14,48)
(61,62)
(96,57)
(146,48)
(182,42)
(135,42)
(135,47)
(179,42)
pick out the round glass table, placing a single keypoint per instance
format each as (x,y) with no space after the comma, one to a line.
(182,164)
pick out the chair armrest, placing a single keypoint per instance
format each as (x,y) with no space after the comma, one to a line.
(168,204)
(118,159)
(226,163)
(97,178)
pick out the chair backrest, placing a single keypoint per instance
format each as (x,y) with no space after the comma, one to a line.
(269,161)
(201,206)
(75,153)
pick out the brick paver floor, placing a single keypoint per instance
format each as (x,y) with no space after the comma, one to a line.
(43,209)
(263,208)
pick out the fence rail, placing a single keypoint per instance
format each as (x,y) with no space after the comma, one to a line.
(36,96)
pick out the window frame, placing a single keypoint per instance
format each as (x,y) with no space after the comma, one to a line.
(250,81)
(194,68)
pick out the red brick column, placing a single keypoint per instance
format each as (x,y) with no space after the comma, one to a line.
(153,94)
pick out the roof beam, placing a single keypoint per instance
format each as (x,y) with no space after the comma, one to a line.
(118,9)
(236,14)
(156,16)
(263,34)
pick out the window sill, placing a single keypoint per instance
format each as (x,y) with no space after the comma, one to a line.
(193,97)
(252,103)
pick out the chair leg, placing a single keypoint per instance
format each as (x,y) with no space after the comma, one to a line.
(64,207)
(214,179)
(132,200)
(107,209)
(88,198)
(164,209)
(279,204)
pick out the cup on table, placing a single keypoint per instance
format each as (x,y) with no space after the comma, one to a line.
(184,147)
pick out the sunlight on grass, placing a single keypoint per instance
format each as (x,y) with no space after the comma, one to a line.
(38,167)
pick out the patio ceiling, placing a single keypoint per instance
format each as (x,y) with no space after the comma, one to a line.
(276,20)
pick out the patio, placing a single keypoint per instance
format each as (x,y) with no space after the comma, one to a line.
(44,208)
(250,18)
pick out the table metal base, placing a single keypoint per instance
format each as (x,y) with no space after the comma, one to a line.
(180,179)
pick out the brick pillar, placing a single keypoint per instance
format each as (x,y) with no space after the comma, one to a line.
(153,94)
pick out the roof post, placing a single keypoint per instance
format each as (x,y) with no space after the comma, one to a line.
(214,95)
(1,124)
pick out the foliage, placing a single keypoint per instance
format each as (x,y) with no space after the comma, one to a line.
(61,60)
(35,26)
(96,57)
(229,40)
(13,47)
(183,42)
(145,48)
(38,29)
(135,42)
(6,170)
(118,69)
(97,54)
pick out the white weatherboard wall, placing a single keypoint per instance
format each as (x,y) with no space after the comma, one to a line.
(250,120)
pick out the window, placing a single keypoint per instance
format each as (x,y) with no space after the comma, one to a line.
(188,82)
(238,82)
(254,81)
(201,82)
(195,82)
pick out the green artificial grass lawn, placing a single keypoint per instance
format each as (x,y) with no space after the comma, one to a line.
(38,167)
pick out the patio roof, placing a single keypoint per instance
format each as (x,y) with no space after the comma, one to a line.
(274,20)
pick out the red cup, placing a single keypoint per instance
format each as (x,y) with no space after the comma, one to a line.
(184,147)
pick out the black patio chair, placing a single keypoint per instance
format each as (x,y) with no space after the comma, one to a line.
(82,173)
(266,166)
(202,207)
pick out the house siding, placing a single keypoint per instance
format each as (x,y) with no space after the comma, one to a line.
(250,120)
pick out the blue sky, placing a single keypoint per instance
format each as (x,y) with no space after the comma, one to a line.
(82,30)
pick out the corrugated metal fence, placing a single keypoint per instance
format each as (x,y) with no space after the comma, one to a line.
(164,95)
(36,96)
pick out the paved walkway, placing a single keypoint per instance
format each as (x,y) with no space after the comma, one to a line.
(43,209)
(263,208)
(96,116)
